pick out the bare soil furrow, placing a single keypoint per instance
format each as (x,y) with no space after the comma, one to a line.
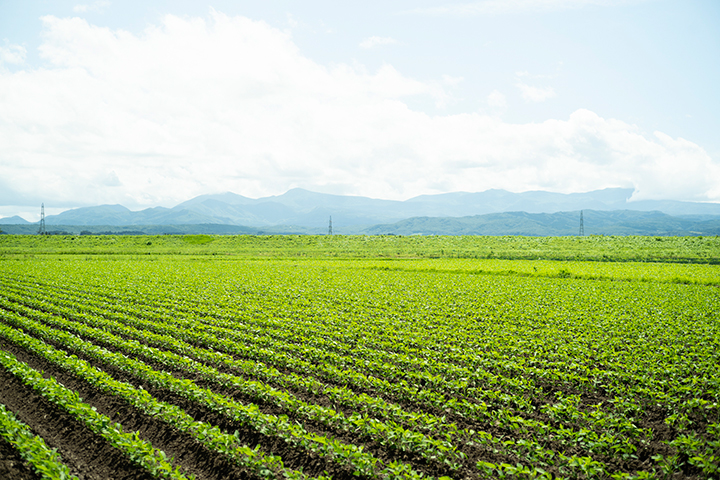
(12,466)
(292,457)
(87,455)
(186,451)
(375,447)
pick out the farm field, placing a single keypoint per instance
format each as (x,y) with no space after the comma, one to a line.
(198,360)
(705,250)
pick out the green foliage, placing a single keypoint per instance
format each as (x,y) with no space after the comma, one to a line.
(214,439)
(33,449)
(197,239)
(704,250)
(541,368)
(136,449)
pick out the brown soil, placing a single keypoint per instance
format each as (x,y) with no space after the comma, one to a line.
(186,451)
(383,452)
(12,466)
(89,456)
(313,465)
(193,457)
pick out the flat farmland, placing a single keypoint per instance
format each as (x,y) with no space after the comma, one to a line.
(221,366)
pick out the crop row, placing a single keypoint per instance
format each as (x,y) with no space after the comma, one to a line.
(347,455)
(134,447)
(525,449)
(359,424)
(620,374)
(548,368)
(212,437)
(531,450)
(33,449)
(388,434)
(408,392)
(611,428)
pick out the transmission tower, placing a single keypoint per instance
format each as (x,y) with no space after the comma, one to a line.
(330,226)
(41,230)
(582,225)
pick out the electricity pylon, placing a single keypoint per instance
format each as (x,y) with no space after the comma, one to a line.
(41,230)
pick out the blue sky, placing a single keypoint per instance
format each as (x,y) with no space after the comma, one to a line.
(151,103)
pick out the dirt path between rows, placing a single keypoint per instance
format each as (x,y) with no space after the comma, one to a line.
(89,456)
(12,466)
(192,456)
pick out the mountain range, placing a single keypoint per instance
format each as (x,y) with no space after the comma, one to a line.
(490,212)
(595,222)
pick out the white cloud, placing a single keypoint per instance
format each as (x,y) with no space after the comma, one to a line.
(535,94)
(452,81)
(371,42)
(485,7)
(496,99)
(97,6)
(14,54)
(194,106)
(291,21)
(534,76)
(111,180)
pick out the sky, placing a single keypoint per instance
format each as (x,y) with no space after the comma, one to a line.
(153,102)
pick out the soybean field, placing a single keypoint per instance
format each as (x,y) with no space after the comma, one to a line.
(220,366)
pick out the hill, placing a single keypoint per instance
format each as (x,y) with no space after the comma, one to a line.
(493,212)
(619,222)
(14,220)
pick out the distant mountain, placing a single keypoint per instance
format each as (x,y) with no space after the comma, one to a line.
(188,229)
(298,207)
(304,211)
(617,222)
(498,201)
(596,222)
(14,220)
(119,215)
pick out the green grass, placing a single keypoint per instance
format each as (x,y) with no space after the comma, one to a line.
(197,239)
(590,248)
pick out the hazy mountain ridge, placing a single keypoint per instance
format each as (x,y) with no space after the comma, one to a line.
(303,211)
(614,222)
(14,220)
